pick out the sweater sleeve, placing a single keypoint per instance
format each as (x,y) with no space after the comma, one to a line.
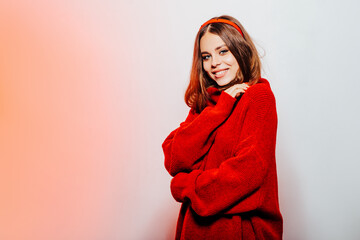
(185,145)
(234,186)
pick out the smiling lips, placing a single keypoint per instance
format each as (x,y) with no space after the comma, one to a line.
(220,73)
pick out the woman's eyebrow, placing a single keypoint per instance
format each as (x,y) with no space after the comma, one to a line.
(215,48)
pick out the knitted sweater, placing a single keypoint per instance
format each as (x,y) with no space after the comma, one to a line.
(223,166)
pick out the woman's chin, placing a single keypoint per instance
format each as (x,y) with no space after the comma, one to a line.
(222,82)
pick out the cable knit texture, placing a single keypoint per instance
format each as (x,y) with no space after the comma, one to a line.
(224,170)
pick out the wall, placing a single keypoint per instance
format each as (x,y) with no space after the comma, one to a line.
(90,89)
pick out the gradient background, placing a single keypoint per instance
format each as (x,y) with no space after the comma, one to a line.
(90,89)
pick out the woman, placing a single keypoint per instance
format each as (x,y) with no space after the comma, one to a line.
(222,157)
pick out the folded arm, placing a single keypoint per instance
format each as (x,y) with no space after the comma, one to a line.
(186,145)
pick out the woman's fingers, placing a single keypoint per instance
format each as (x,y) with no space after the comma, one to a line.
(242,87)
(237,89)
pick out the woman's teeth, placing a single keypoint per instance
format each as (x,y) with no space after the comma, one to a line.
(220,74)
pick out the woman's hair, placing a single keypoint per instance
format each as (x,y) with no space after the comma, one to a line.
(244,52)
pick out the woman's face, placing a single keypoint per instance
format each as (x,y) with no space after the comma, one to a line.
(218,62)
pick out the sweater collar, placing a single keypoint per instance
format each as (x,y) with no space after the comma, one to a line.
(215,92)
(214,95)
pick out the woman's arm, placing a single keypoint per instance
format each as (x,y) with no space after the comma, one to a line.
(235,186)
(188,143)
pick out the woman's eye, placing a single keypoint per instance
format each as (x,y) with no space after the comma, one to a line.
(205,57)
(224,51)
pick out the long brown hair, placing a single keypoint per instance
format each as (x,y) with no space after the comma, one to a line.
(244,52)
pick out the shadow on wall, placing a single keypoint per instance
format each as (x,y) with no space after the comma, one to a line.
(163,224)
(291,198)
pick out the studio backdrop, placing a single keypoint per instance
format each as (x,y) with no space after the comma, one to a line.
(90,89)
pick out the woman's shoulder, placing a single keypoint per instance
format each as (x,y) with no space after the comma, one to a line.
(261,91)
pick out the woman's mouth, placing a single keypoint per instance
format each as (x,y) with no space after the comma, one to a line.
(221,73)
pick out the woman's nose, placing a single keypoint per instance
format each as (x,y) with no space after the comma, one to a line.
(215,61)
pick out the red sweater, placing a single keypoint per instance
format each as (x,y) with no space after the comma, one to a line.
(223,166)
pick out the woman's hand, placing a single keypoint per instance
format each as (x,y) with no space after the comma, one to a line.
(237,89)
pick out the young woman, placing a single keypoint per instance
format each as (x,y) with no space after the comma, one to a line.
(222,157)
